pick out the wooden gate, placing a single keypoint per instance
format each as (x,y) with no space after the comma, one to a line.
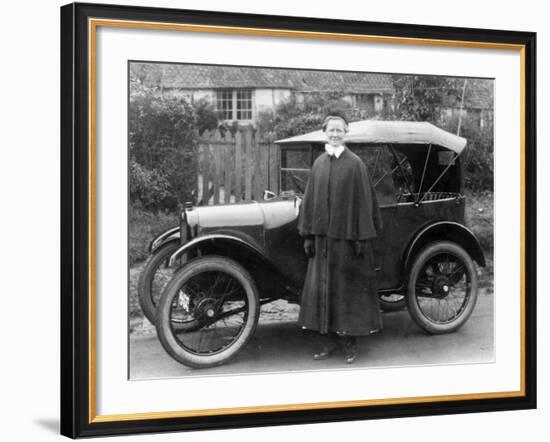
(236,167)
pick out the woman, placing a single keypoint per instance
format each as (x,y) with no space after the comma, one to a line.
(339,217)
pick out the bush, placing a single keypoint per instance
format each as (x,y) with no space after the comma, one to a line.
(422,98)
(207,118)
(295,117)
(478,159)
(163,133)
(150,188)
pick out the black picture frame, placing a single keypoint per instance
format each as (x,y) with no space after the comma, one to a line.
(77,250)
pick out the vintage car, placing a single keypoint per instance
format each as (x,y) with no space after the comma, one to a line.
(206,279)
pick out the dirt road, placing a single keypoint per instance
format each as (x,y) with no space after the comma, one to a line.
(283,346)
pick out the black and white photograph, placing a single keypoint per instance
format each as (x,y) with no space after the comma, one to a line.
(285,220)
(277,221)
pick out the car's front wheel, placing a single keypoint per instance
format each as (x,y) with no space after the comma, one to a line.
(442,288)
(219,297)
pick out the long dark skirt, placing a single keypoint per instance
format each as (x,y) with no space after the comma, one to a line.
(340,291)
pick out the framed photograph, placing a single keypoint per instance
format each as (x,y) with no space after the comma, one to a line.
(273,220)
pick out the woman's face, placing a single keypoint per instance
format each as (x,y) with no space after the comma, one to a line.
(335,132)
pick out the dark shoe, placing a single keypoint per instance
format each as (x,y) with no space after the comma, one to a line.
(350,345)
(325,353)
(351,356)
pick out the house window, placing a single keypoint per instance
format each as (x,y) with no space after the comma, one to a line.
(224,104)
(234,104)
(244,104)
(364,101)
(370,102)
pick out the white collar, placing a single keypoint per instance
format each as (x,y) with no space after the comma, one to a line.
(336,151)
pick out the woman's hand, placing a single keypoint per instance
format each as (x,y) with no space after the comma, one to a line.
(309,247)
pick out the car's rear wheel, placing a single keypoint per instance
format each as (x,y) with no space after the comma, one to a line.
(442,288)
(153,278)
(219,297)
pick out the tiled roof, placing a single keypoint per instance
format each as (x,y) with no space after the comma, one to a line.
(183,76)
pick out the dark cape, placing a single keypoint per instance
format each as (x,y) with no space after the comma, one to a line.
(340,207)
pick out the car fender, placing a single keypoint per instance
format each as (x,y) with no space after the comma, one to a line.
(445,230)
(231,244)
(172,234)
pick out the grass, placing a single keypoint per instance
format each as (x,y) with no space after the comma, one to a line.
(144,226)
(480,219)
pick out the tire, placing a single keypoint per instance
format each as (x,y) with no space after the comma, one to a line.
(220,298)
(392,302)
(442,288)
(153,278)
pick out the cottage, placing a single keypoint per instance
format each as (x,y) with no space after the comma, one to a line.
(241,93)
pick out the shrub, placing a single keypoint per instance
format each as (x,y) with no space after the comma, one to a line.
(422,98)
(163,133)
(150,188)
(207,118)
(478,159)
(296,116)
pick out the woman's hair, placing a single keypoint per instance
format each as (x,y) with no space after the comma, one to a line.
(334,117)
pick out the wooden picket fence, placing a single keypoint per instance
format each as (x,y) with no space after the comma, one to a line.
(235,168)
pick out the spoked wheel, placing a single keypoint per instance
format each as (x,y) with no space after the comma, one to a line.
(153,278)
(442,290)
(392,302)
(207,312)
